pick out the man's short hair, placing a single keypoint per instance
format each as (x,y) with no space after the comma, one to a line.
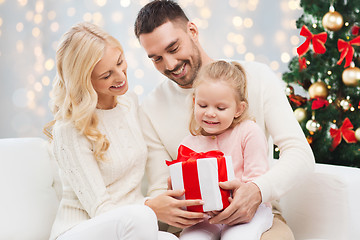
(156,13)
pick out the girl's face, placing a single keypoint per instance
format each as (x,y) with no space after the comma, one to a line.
(215,106)
(109,77)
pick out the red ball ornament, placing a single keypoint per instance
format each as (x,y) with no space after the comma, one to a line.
(355,30)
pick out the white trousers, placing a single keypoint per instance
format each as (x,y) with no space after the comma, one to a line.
(253,230)
(130,222)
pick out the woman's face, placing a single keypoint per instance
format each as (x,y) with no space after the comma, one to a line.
(109,77)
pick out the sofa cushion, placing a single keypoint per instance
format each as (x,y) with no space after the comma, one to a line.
(28,202)
(318,208)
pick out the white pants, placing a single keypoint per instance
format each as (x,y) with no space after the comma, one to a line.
(127,222)
(253,230)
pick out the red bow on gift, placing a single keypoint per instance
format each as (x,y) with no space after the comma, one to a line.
(346,50)
(318,41)
(343,132)
(186,154)
(188,157)
(302,63)
(319,103)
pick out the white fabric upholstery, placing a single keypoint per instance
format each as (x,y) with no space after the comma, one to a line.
(28,202)
(324,206)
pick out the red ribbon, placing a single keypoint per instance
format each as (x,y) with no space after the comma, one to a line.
(302,63)
(318,41)
(319,103)
(343,132)
(186,154)
(346,50)
(188,158)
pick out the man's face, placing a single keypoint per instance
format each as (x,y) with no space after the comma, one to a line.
(174,52)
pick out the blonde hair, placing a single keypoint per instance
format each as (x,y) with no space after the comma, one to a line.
(232,74)
(73,96)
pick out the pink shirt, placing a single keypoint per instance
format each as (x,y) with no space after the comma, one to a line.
(245,143)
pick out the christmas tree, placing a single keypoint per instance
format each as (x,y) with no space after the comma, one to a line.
(327,68)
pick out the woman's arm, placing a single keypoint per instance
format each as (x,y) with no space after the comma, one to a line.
(78,165)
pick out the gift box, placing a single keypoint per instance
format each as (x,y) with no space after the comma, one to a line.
(199,174)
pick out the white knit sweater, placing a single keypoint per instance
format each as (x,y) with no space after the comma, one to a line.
(165,118)
(91,188)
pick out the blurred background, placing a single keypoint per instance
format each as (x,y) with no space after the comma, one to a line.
(254,30)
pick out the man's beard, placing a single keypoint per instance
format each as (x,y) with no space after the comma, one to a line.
(194,70)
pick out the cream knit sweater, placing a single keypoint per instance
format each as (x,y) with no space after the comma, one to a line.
(165,118)
(91,188)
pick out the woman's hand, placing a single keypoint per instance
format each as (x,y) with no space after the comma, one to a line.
(168,209)
(246,200)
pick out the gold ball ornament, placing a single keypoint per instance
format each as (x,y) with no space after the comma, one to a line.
(351,76)
(333,21)
(357,134)
(300,114)
(313,126)
(318,89)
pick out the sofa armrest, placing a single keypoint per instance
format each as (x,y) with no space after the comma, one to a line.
(326,205)
(351,178)
(28,202)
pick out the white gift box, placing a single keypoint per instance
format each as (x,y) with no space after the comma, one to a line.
(207,180)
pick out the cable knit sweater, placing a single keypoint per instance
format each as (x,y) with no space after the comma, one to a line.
(90,187)
(165,115)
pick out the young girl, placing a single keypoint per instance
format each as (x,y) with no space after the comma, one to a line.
(220,121)
(98,143)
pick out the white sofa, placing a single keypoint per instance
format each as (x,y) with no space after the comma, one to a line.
(324,206)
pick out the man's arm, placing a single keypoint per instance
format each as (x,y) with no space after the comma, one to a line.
(296,158)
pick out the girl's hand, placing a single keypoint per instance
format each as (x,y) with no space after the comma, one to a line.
(246,200)
(212,214)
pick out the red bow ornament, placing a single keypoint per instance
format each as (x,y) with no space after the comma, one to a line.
(318,41)
(345,131)
(319,103)
(346,50)
(302,63)
(199,174)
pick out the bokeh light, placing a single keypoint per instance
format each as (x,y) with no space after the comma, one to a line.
(251,30)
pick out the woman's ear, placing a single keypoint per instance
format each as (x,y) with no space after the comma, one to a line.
(240,109)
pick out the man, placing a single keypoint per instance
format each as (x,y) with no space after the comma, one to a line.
(171,42)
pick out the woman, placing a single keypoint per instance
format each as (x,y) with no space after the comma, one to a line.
(98,144)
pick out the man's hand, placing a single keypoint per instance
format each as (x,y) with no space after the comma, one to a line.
(246,200)
(169,209)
